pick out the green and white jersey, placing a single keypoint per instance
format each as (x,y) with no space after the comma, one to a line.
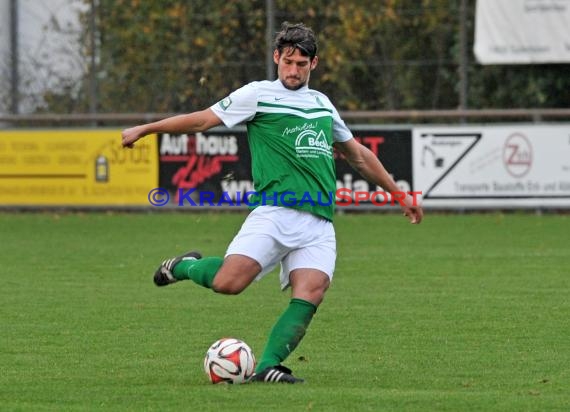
(290,134)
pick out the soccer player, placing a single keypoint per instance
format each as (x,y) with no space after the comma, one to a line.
(291,132)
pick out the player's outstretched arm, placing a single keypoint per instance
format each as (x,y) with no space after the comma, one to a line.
(183,123)
(368,165)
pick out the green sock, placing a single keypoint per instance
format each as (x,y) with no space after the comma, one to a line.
(201,271)
(287,333)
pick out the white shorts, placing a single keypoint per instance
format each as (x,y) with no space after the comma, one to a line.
(297,240)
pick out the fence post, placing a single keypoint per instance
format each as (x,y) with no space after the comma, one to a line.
(14,63)
(93,60)
(269,33)
(463,57)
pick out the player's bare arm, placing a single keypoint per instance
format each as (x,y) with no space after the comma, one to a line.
(183,123)
(367,164)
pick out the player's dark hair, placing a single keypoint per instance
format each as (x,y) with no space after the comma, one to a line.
(296,36)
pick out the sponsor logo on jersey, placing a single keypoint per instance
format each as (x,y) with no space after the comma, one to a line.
(312,144)
(225,103)
(300,128)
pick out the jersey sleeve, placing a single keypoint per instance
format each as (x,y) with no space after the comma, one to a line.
(240,106)
(341,132)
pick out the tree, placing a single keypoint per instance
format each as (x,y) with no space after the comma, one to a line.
(177,56)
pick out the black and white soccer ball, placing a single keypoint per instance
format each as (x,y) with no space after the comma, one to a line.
(229,360)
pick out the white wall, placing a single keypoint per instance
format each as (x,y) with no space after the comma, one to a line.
(49,52)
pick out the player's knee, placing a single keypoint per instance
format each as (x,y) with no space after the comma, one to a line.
(316,296)
(235,275)
(310,288)
(227,287)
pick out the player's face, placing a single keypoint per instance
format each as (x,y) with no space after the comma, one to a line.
(294,69)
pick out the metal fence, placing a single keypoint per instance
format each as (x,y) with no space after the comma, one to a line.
(387,116)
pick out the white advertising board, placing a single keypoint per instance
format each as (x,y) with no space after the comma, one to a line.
(522,31)
(492,166)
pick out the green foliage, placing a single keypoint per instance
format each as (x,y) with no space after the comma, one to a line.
(522,86)
(180,56)
(172,56)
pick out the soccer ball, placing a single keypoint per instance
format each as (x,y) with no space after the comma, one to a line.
(229,360)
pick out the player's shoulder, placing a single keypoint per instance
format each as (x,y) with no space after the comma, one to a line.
(321,98)
(259,85)
(269,91)
(254,89)
(318,94)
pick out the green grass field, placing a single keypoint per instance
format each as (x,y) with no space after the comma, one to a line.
(462,313)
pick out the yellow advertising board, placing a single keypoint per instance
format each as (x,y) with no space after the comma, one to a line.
(75,167)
